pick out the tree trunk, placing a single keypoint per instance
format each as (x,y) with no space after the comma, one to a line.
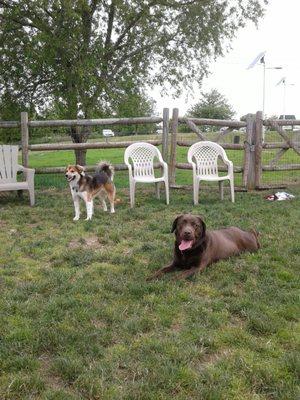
(80,135)
(80,156)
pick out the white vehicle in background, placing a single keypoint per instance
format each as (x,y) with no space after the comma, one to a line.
(107,133)
(223,129)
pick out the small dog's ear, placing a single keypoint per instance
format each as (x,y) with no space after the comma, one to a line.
(79,168)
(175,223)
(203,225)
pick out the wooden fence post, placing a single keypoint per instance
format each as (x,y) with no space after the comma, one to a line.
(258,147)
(249,154)
(165,134)
(24,138)
(172,163)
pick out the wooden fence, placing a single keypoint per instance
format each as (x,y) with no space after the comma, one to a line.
(253,146)
(26,147)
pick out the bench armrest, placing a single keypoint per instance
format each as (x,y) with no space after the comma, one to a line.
(29,172)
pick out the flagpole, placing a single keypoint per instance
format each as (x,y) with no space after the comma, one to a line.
(264,87)
(284,94)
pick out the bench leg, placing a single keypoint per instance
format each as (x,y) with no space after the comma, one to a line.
(31,196)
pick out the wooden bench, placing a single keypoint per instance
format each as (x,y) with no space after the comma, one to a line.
(8,172)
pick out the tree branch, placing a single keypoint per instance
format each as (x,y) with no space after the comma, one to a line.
(93,6)
(19,22)
(132,24)
(111,16)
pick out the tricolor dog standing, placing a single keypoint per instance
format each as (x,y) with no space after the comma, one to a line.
(87,187)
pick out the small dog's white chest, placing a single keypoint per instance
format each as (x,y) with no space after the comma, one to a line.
(76,192)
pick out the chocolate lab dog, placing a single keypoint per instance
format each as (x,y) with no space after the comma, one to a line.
(196,248)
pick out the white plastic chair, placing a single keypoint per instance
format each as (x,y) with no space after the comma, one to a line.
(203,156)
(141,168)
(8,172)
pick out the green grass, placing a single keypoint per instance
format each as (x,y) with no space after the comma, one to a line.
(79,321)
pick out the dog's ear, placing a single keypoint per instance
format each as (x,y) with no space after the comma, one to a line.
(174,225)
(79,168)
(203,225)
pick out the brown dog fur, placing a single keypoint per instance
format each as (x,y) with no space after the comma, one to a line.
(87,187)
(206,247)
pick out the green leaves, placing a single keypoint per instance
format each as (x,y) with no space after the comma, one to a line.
(212,105)
(75,54)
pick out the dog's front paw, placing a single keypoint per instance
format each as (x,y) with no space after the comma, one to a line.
(88,218)
(76,218)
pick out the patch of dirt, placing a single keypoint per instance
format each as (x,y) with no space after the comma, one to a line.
(98,324)
(211,358)
(237,321)
(33,225)
(176,326)
(127,252)
(74,244)
(54,382)
(91,242)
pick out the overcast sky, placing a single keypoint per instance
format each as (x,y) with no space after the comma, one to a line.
(278,35)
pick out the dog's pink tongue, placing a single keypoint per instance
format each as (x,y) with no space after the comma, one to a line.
(185,244)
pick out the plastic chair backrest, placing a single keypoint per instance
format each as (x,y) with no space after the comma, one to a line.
(142,156)
(205,154)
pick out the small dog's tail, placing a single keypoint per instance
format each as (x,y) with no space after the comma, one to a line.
(107,167)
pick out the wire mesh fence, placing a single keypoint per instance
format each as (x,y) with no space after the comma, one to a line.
(280,159)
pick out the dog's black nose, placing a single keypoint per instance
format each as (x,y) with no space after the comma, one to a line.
(187,233)
(66,175)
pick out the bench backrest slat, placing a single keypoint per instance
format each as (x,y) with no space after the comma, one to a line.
(8,163)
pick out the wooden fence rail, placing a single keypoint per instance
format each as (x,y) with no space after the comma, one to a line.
(85,146)
(88,168)
(214,122)
(220,168)
(10,124)
(253,146)
(226,146)
(94,122)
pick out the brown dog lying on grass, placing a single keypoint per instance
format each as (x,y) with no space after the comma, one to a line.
(195,248)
